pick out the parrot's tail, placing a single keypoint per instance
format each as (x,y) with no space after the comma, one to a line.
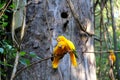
(73,59)
(55,62)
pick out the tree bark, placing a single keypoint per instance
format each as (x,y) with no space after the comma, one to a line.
(53,18)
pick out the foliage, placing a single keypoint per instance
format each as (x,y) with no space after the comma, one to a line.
(106,37)
(7,49)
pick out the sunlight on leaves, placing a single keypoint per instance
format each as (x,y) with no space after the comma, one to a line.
(22,53)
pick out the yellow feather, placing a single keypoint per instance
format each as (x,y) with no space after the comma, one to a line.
(112,55)
(73,59)
(71,45)
(58,52)
(68,47)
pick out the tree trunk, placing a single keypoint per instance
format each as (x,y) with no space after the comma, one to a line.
(53,18)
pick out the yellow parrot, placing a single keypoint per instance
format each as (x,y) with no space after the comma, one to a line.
(59,51)
(70,44)
(67,46)
(112,57)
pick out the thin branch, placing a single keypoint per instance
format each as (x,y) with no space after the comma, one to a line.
(23,25)
(18,46)
(2,12)
(95,38)
(28,24)
(34,63)
(109,38)
(101,52)
(76,17)
(106,28)
(15,66)
(13,25)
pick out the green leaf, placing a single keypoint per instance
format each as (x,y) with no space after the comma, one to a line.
(33,55)
(5,16)
(9,46)
(22,53)
(1,5)
(1,50)
(25,61)
(12,6)
(9,65)
(4,24)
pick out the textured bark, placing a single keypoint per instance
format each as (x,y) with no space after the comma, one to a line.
(41,38)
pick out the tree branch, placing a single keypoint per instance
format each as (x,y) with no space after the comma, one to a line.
(2,12)
(76,17)
(34,63)
(15,66)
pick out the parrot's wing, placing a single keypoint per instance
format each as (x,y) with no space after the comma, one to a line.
(71,45)
(75,53)
(72,48)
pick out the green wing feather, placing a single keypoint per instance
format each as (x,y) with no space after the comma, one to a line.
(75,53)
(72,47)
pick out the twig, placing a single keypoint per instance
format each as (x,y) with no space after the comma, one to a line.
(34,63)
(75,15)
(99,51)
(2,12)
(17,57)
(15,66)
(18,46)
(23,25)
(95,38)
(28,24)
(13,25)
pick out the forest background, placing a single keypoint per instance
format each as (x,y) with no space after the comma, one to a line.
(107,37)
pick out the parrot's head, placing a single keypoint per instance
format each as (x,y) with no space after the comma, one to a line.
(111,52)
(61,38)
